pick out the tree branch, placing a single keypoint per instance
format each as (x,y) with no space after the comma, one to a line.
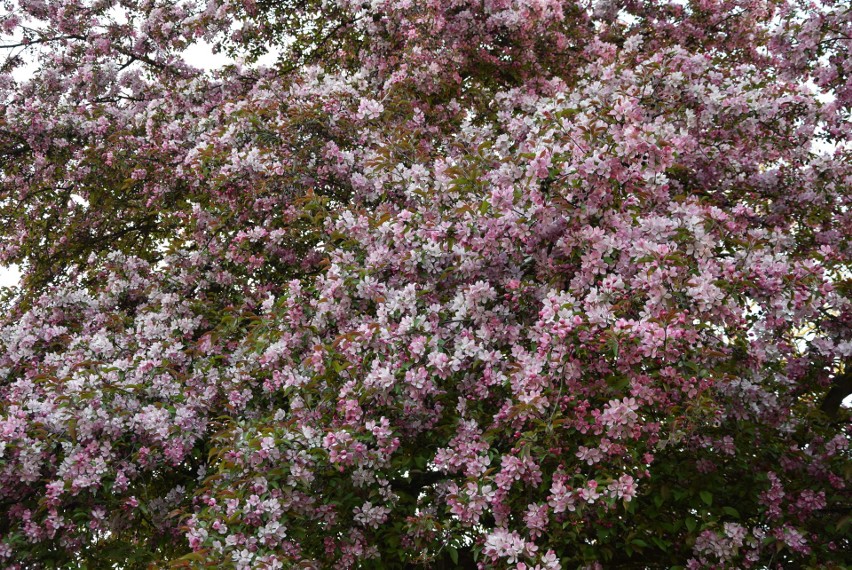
(841,388)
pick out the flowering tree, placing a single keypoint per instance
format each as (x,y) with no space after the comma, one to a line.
(507,283)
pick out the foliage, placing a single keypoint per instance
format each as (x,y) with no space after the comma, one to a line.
(507,283)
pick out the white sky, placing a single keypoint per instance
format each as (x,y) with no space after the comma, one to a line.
(9,276)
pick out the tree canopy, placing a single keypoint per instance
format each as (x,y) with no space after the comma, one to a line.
(527,284)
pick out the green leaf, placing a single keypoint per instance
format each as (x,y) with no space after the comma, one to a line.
(612,343)
(691,524)
(454,554)
(732,512)
(707,497)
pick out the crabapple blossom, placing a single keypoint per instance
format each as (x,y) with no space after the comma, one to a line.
(508,283)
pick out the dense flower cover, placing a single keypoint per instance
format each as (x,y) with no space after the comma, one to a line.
(534,284)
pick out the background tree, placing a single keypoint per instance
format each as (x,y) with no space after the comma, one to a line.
(518,284)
